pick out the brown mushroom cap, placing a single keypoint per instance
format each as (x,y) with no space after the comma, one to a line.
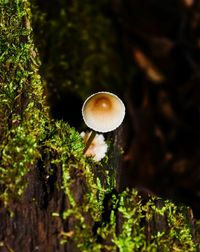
(103,111)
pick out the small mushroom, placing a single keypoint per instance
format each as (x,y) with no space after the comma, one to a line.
(102,112)
(97,148)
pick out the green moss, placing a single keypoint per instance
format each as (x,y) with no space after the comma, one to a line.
(136,219)
(80,51)
(22,106)
(26,127)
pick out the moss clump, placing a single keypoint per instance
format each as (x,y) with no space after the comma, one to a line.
(26,127)
(128,225)
(22,106)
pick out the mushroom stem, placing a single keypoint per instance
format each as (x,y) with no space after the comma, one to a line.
(89,141)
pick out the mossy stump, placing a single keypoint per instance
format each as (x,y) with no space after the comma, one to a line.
(52,197)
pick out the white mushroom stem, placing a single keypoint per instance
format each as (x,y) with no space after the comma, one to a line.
(89,141)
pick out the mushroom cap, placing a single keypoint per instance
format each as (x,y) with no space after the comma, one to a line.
(103,111)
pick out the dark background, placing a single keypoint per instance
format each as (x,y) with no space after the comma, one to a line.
(147,52)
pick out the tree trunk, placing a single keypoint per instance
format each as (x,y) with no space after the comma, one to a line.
(53,198)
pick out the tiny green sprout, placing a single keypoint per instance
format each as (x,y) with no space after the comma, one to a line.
(102,112)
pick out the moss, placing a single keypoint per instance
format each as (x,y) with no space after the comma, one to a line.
(26,127)
(76,55)
(135,218)
(99,217)
(22,106)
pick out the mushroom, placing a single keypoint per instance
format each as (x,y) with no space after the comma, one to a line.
(98,148)
(102,112)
